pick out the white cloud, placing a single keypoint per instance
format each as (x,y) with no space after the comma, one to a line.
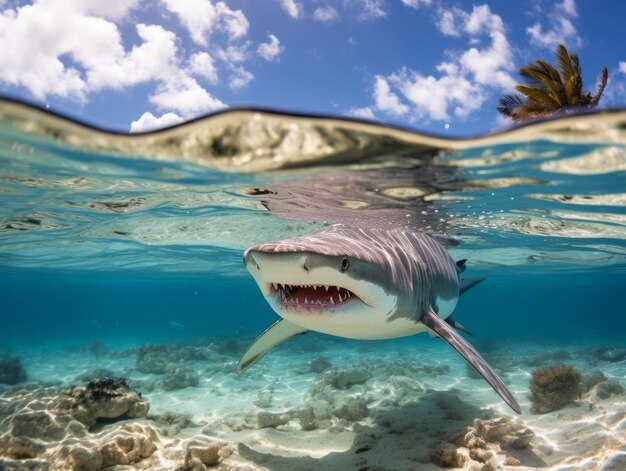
(55,47)
(481,19)
(386,100)
(239,78)
(568,7)
(366,9)
(416,3)
(326,14)
(149,122)
(560,28)
(117,69)
(463,83)
(271,50)
(447,22)
(234,57)
(292,8)
(234,54)
(182,93)
(202,18)
(75,48)
(490,66)
(366,113)
(455,22)
(622,67)
(201,64)
(435,98)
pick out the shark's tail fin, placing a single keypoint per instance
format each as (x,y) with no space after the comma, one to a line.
(469,283)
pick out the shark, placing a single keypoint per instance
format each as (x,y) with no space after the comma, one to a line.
(364,283)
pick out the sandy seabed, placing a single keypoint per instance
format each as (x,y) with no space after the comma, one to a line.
(312,404)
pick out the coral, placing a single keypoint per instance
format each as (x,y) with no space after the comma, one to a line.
(269,419)
(106,398)
(606,389)
(153,358)
(171,422)
(612,354)
(129,444)
(12,371)
(315,414)
(352,410)
(508,433)
(41,424)
(554,386)
(307,419)
(237,422)
(448,456)
(481,443)
(345,379)
(189,353)
(199,455)
(593,378)
(94,374)
(41,430)
(179,378)
(319,365)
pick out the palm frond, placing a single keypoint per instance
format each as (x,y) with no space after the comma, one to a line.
(509,103)
(565,63)
(548,90)
(602,81)
(546,77)
(539,96)
(551,71)
(574,90)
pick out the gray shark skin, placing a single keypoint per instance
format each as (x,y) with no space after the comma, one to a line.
(363,283)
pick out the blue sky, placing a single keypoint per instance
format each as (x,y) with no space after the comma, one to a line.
(433,65)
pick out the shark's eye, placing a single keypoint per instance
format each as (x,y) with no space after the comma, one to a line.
(345,264)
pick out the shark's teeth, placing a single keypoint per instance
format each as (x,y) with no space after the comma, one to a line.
(310,297)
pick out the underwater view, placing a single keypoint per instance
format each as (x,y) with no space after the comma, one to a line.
(128,306)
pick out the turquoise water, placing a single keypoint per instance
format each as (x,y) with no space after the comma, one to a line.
(102,241)
(109,247)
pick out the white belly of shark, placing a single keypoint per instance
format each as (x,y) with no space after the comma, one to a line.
(362,284)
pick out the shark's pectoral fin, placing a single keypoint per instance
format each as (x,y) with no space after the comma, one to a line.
(276,334)
(446,332)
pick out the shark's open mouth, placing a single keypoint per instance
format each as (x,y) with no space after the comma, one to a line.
(312,296)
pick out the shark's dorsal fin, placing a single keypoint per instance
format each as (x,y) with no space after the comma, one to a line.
(446,332)
(276,334)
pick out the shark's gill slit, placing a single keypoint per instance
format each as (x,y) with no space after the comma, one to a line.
(321,296)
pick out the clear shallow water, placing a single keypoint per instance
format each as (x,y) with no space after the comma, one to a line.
(161,237)
(128,240)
